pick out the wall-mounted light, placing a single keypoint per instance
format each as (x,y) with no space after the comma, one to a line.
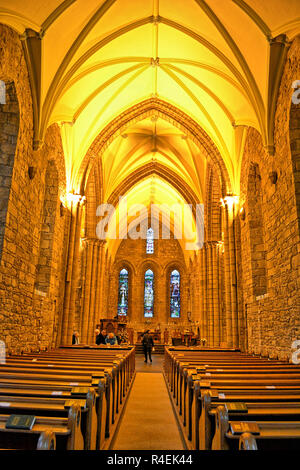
(242,213)
(230,201)
(73,198)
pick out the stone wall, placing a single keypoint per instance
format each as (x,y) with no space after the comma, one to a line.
(273,320)
(27,321)
(9,125)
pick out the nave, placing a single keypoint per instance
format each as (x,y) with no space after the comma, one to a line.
(149,181)
(100,398)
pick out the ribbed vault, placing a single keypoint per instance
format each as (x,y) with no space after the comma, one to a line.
(218,62)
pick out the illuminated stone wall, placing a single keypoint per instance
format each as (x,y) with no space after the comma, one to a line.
(273,319)
(27,320)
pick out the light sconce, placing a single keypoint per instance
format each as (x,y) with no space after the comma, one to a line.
(242,213)
(73,198)
(230,201)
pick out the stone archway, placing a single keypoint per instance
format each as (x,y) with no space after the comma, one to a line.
(167,112)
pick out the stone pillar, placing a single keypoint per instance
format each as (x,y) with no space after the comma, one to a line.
(98,283)
(88,256)
(220,251)
(95,261)
(230,273)
(205,304)
(72,269)
(227,279)
(202,291)
(216,296)
(210,295)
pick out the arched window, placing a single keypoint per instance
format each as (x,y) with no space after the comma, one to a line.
(150,242)
(123,293)
(149,294)
(175,294)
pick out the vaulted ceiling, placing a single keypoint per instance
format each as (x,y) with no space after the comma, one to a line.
(218,61)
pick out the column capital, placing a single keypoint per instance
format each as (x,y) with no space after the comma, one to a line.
(91,241)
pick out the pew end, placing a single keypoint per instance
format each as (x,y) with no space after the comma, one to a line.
(247,442)
(47,441)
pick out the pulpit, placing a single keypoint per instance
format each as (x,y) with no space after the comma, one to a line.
(112,325)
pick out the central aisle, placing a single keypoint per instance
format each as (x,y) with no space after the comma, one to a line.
(148,422)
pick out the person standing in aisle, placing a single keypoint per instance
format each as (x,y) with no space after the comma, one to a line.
(148,345)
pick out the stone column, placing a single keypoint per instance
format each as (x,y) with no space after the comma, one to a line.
(230,273)
(210,295)
(234,297)
(95,262)
(215,290)
(88,251)
(202,292)
(205,277)
(227,279)
(98,284)
(220,250)
(72,269)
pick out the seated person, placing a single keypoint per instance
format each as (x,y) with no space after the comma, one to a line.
(75,338)
(111,339)
(100,338)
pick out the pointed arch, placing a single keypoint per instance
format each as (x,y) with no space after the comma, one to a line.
(169,113)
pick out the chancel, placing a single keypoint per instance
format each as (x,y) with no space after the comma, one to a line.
(150,225)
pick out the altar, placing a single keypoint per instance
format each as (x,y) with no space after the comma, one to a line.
(156,335)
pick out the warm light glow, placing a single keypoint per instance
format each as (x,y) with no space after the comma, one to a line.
(72,198)
(230,201)
(99,62)
(150,193)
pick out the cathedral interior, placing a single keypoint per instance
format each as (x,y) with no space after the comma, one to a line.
(150,175)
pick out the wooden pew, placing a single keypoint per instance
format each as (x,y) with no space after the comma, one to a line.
(56,407)
(273,434)
(75,377)
(123,363)
(92,418)
(232,382)
(263,403)
(231,371)
(32,371)
(47,433)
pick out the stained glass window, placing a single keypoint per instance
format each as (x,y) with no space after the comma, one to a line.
(175,294)
(123,292)
(149,293)
(150,242)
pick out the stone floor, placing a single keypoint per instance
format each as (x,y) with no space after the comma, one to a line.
(155,366)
